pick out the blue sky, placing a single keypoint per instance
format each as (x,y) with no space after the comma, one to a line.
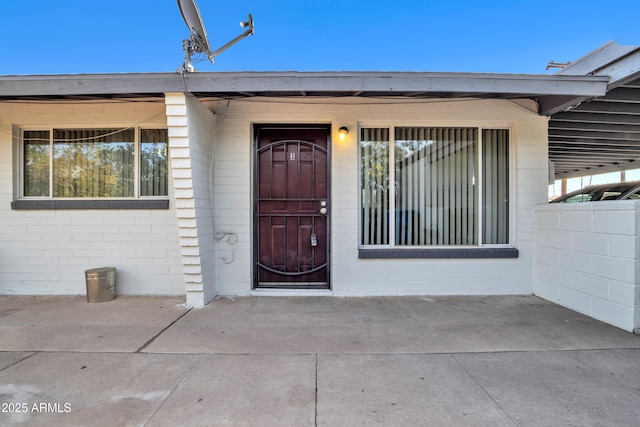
(117,36)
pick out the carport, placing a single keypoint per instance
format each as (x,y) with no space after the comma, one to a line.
(597,135)
(586,254)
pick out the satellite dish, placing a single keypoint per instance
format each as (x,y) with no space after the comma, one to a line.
(198,41)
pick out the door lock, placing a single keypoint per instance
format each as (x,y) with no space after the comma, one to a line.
(323,207)
(314,240)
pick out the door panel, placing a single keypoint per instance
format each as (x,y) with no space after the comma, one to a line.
(292,188)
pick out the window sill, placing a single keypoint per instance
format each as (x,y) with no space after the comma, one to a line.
(41,205)
(470,253)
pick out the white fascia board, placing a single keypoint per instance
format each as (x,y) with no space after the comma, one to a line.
(482,85)
(620,63)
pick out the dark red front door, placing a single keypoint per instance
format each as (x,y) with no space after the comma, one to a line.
(291,207)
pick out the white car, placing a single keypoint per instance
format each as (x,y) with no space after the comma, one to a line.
(602,192)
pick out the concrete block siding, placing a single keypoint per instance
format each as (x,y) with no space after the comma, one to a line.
(191,133)
(47,251)
(586,259)
(350,275)
(202,245)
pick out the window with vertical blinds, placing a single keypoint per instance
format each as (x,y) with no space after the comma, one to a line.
(495,186)
(95,163)
(154,167)
(37,163)
(434,186)
(374,176)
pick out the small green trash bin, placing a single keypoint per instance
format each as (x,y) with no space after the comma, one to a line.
(101,284)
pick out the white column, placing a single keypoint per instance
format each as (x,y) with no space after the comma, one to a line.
(191,149)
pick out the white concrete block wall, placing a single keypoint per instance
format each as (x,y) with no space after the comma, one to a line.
(586,259)
(191,132)
(233,200)
(47,252)
(350,275)
(203,265)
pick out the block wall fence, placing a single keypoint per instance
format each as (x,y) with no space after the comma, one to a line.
(586,259)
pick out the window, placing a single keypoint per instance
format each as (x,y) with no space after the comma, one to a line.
(95,163)
(154,168)
(443,187)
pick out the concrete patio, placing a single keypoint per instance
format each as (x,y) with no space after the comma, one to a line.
(286,361)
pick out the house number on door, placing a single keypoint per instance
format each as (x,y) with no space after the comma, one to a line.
(292,156)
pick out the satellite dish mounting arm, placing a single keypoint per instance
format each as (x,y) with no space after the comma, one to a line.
(247,32)
(198,42)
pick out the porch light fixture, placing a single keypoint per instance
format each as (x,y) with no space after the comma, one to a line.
(342,133)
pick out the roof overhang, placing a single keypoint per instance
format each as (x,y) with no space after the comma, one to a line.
(601,134)
(552,92)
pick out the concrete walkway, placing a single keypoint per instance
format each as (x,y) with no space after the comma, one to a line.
(260,361)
